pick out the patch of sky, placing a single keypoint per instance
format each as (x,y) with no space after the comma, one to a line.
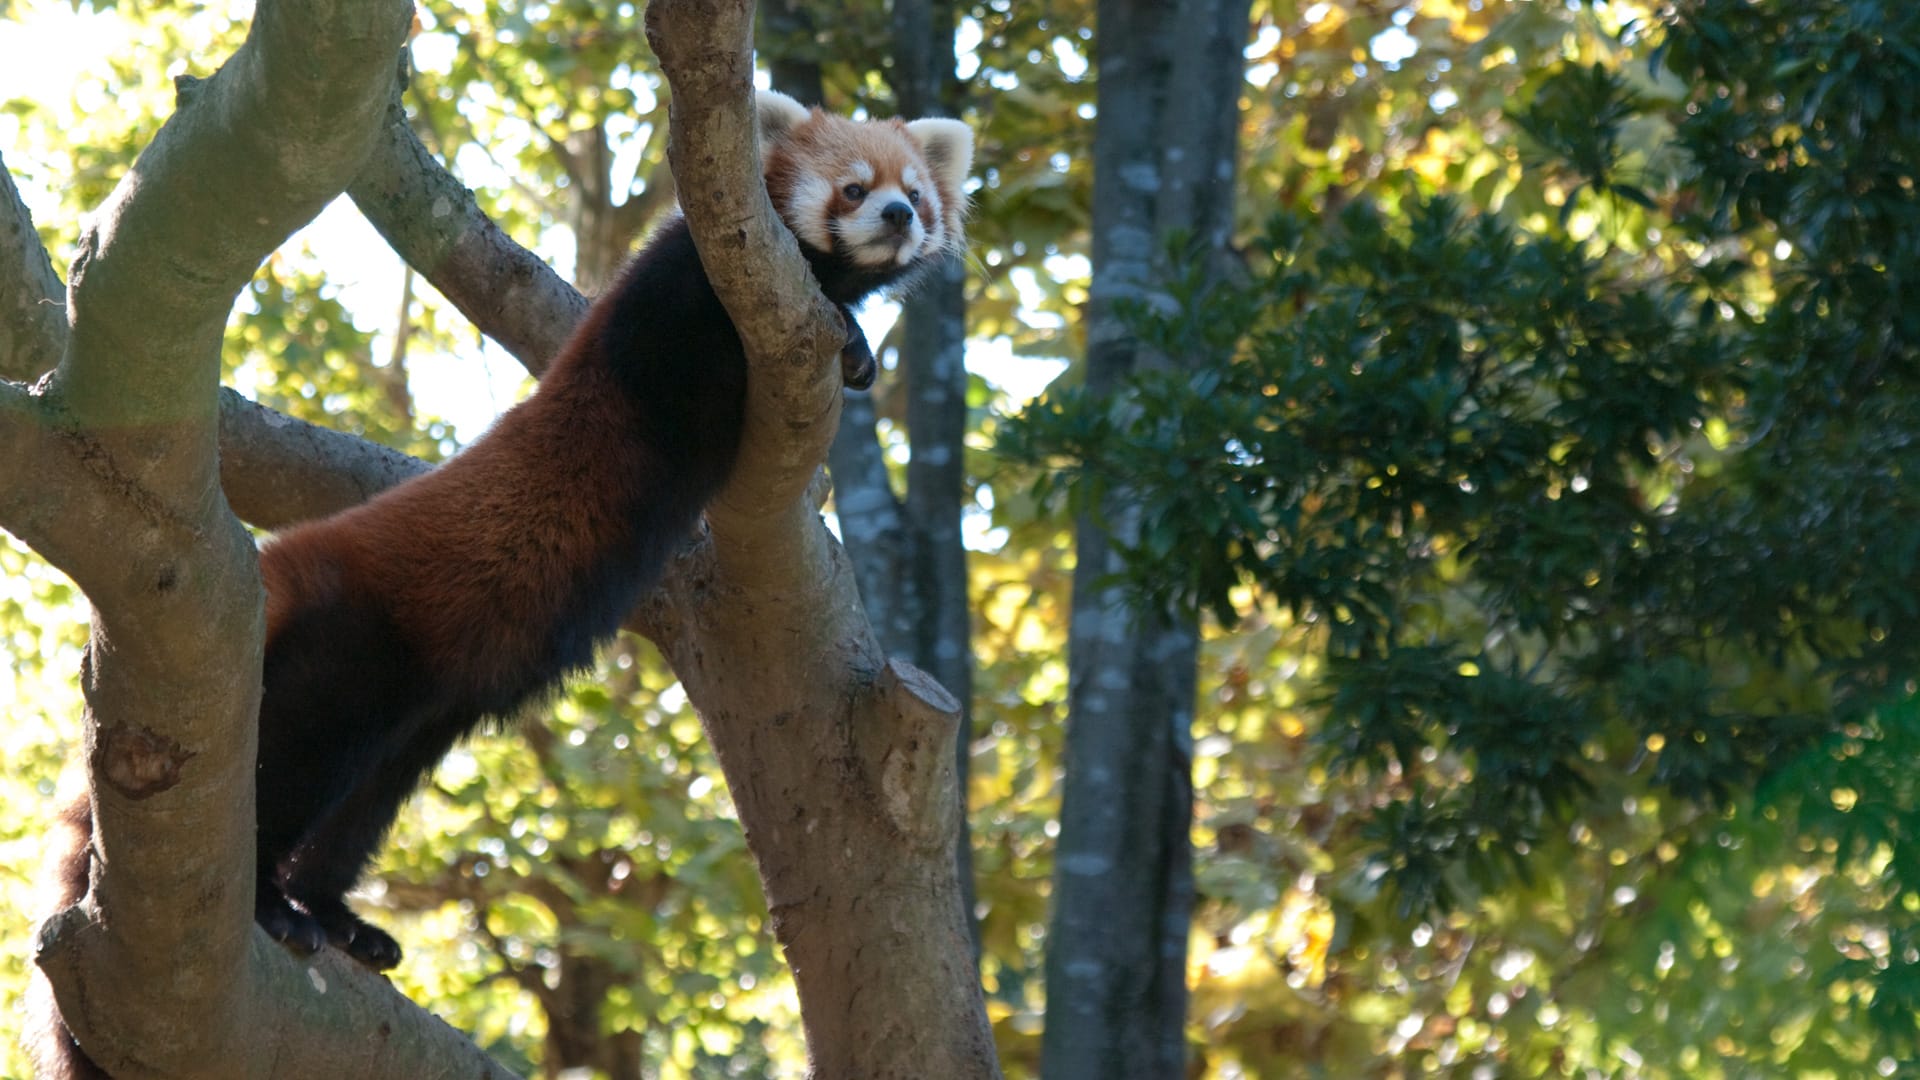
(966,46)
(434,52)
(1262,71)
(1072,63)
(1392,46)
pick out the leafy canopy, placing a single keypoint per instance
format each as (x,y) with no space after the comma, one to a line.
(1622,499)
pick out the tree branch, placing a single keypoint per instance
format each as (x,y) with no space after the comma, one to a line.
(33,305)
(754,263)
(278,470)
(837,759)
(21,438)
(33,333)
(158,970)
(435,224)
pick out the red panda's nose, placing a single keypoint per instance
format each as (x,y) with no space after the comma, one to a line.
(897,214)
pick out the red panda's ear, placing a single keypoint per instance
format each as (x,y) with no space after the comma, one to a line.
(948,145)
(778,113)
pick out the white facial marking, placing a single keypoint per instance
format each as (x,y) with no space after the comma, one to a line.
(910,176)
(863,173)
(808,211)
(869,240)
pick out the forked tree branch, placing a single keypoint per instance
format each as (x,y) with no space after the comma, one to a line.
(158,970)
(276,470)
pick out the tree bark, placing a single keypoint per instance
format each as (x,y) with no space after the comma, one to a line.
(1164,154)
(839,760)
(158,970)
(33,315)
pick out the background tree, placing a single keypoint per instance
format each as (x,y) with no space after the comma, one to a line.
(1164,163)
(1579,528)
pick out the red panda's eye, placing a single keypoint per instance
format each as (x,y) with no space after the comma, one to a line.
(854,192)
(914,196)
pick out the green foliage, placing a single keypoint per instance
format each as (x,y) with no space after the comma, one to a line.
(1619,703)
(294,347)
(591,855)
(42,630)
(1568,521)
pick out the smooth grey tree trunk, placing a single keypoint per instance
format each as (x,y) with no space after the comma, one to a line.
(1165,145)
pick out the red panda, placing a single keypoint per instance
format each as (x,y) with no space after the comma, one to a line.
(395,627)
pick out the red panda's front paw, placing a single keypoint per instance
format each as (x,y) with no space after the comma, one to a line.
(353,935)
(283,923)
(374,947)
(857,365)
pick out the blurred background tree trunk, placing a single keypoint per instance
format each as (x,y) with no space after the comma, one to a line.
(1165,147)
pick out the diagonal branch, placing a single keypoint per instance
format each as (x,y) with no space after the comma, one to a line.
(432,220)
(33,304)
(277,470)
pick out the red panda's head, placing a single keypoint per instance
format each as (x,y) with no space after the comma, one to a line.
(870,201)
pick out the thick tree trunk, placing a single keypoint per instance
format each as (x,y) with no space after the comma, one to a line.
(157,969)
(1164,155)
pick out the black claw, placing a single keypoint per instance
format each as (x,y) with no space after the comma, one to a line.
(353,935)
(323,922)
(374,947)
(857,372)
(299,932)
